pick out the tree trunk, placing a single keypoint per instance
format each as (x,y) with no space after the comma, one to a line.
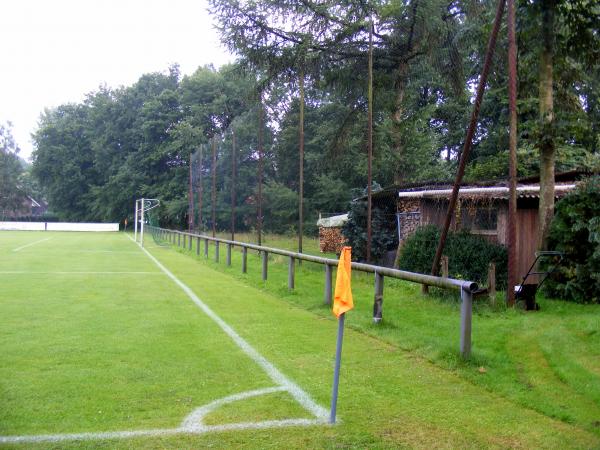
(398,143)
(546,144)
(512,159)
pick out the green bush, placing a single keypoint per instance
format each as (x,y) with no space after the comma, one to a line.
(575,231)
(384,235)
(468,255)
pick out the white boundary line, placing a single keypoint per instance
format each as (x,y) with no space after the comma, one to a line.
(23,272)
(193,423)
(279,378)
(18,249)
(106,251)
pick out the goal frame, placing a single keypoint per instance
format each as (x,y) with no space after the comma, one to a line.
(142,205)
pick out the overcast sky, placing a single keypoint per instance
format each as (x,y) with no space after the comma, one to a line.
(56,51)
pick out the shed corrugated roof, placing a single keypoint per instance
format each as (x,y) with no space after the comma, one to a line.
(562,178)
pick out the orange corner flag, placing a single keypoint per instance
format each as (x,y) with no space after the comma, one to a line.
(342,301)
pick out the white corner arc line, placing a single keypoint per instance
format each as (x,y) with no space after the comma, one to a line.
(18,249)
(192,424)
(194,420)
(279,378)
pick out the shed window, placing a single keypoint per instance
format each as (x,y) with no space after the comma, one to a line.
(484,219)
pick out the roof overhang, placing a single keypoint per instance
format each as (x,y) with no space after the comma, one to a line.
(492,191)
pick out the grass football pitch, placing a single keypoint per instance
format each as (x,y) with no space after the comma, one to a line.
(106,346)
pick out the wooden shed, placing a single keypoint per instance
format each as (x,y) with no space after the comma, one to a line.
(482,209)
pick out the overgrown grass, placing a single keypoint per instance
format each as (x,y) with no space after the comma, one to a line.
(100,353)
(310,245)
(547,361)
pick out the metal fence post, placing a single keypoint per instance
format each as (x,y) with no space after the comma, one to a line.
(184,241)
(291,272)
(206,248)
(178,239)
(466,314)
(378,300)
(244,259)
(216,251)
(198,245)
(228,254)
(265,262)
(190,242)
(327,291)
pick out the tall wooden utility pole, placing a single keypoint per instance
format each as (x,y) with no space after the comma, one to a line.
(200,188)
(301,168)
(512,159)
(260,170)
(469,137)
(370,145)
(191,196)
(233,181)
(213,194)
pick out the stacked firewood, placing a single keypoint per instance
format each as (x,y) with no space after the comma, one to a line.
(408,205)
(331,239)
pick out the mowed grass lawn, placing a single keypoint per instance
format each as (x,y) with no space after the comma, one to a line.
(119,346)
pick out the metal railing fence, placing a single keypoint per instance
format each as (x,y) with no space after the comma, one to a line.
(466,288)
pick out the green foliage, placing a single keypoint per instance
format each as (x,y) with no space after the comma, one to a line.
(566,335)
(384,236)
(575,231)
(93,159)
(150,373)
(11,196)
(468,255)
(281,206)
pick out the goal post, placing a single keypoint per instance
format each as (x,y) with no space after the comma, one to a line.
(142,206)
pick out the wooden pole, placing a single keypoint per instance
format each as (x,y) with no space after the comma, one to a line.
(260,171)
(200,188)
(492,283)
(301,164)
(213,194)
(512,159)
(233,181)
(191,197)
(469,138)
(370,145)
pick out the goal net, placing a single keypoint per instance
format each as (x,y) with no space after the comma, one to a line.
(143,217)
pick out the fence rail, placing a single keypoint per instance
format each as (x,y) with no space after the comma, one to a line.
(185,239)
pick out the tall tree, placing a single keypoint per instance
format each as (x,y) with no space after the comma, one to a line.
(546,144)
(12,194)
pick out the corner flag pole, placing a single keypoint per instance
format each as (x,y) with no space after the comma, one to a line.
(336,372)
(341,304)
